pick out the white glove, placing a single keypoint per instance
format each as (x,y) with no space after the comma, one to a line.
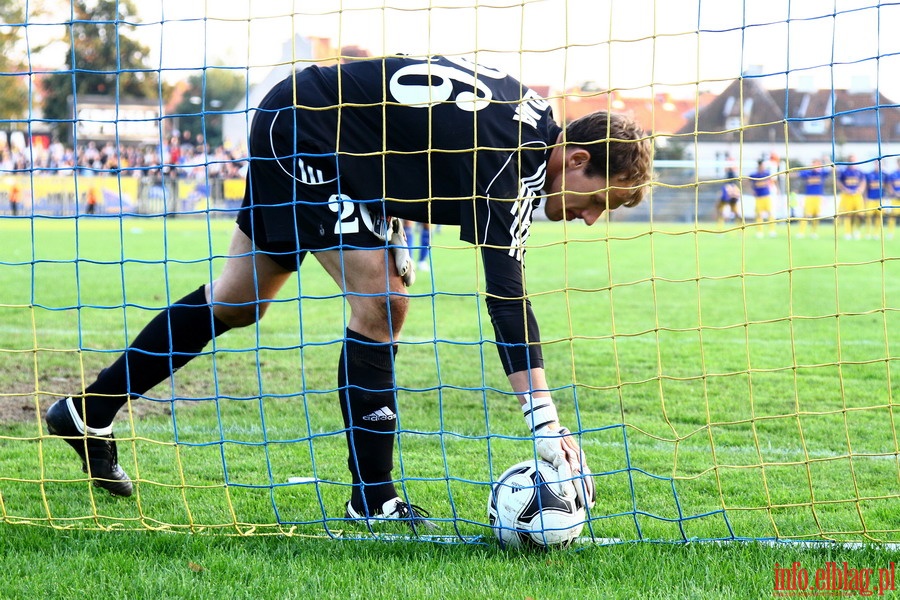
(400,250)
(390,229)
(551,446)
(548,444)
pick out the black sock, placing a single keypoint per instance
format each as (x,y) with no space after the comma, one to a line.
(167,343)
(369,406)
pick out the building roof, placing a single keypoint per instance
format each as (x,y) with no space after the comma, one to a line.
(747,111)
(660,114)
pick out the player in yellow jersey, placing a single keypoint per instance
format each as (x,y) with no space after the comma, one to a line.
(813,180)
(876,197)
(763,184)
(850,184)
(892,183)
(729,197)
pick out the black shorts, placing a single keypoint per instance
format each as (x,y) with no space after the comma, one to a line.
(293,201)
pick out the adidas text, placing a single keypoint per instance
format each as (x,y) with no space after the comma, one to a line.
(382,414)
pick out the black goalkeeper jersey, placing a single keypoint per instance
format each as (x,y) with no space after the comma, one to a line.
(442,141)
(404,131)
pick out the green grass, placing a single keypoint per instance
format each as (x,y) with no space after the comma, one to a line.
(724,386)
(151,565)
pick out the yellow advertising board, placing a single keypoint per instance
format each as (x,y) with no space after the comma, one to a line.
(58,194)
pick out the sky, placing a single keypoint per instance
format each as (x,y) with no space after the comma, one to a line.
(673,46)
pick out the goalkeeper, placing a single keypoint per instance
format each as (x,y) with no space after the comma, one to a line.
(337,156)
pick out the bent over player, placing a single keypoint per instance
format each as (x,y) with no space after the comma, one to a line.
(338,156)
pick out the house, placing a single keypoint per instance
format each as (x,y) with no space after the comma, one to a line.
(658,114)
(786,127)
(748,121)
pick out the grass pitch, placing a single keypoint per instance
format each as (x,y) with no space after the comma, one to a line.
(724,386)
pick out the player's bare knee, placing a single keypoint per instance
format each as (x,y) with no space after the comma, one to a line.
(240,315)
(380,317)
(395,312)
(398,303)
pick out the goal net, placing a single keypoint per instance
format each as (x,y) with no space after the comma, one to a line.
(725,361)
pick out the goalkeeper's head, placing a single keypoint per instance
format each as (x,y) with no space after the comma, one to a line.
(619,151)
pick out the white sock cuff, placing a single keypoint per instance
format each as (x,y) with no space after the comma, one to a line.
(79,423)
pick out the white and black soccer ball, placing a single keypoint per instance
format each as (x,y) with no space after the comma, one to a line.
(524,510)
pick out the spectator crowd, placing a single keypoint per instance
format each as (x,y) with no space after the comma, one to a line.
(182,157)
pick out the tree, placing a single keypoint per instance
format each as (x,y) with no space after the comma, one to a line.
(664,149)
(13,81)
(102,58)
(214,90)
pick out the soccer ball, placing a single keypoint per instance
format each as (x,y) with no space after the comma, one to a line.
(524,510)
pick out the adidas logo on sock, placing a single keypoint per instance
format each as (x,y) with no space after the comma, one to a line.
(382,414)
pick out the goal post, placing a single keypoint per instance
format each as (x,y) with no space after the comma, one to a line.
(727,366)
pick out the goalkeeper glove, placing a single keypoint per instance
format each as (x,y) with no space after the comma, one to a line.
(555,445)
(400,250)
(390,229)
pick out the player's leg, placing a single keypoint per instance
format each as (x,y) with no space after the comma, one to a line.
(868,219)
(814,211)
(366,369)
(804,222)
(249,281)
(378,306)
(858,216)
(846,215)
(765,218)
(878,219)
(169,341)
(760,211)
(425,248)
(873,218)
(180,332)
